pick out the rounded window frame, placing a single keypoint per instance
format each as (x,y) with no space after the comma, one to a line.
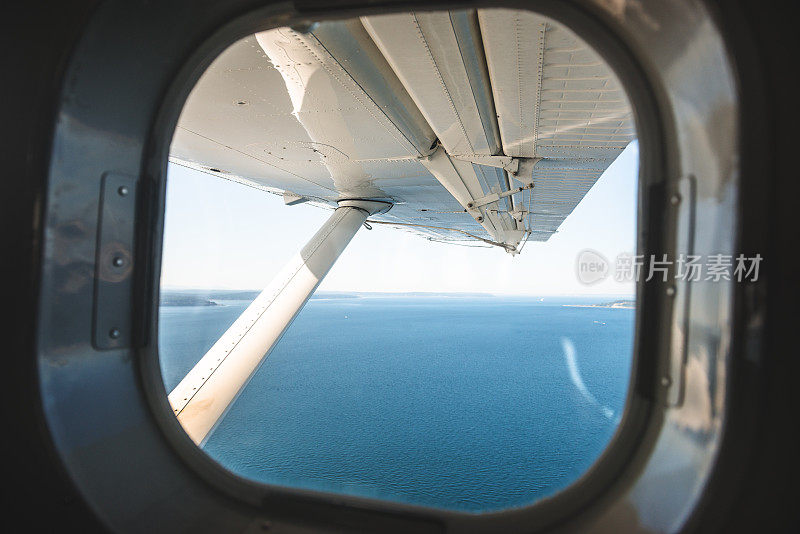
(605,486)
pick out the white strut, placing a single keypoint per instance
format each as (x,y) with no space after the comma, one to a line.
(204,395)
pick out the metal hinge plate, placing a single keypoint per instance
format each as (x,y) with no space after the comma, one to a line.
(113,275)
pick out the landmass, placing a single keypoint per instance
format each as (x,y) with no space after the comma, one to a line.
(627,304)
(182,299)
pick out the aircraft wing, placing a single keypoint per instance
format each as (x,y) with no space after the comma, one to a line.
(492,123)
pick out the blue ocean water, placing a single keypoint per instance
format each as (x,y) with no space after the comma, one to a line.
(466,403)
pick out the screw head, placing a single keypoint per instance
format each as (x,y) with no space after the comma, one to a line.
(114,333)
(665,381)
(671,291)
(118,262)
(123,190)
(675,199)
(479,219)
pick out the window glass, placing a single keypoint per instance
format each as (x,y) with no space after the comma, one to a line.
(467,357)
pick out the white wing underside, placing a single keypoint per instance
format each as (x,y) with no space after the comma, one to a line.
(435,112)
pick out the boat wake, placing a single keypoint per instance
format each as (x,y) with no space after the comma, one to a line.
(577,380)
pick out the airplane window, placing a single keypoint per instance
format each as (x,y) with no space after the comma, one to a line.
(399,258)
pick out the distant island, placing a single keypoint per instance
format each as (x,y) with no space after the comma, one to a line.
(183,299)
(627,304)
(203,297)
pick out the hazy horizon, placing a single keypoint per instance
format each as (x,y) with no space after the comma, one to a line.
(346,291)
(221,234)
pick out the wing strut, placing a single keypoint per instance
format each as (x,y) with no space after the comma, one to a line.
(203,397)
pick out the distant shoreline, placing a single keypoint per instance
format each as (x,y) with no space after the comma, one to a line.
(218,297)
(617,304)
(203,297)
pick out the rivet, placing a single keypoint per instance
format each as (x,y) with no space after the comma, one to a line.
(123,190)
(665,381)
(114,333)
(675,199)
(118,262)
(671,291)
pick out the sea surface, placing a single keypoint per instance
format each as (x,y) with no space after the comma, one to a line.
(466,403)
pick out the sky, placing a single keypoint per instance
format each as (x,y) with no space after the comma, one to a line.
(223,235)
